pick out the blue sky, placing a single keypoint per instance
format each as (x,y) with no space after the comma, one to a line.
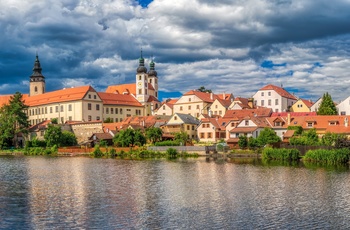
(229,46)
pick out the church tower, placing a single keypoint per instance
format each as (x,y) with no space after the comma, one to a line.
(142,93)
(153,78)
(37,80)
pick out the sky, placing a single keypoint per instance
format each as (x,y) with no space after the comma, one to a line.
(228,46)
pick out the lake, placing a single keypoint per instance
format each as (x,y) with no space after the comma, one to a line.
(92,193)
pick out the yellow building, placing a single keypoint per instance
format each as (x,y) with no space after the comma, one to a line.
(182,123)
(301,105)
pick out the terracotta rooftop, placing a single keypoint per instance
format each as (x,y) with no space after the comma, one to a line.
(282,92)
(5,99)
(63,95)
(118,99)
(308,103)
(125,88)
(206,97)
(239,114)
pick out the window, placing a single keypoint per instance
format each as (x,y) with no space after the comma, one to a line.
(277,123)
(97,107)
(62,120)
(39,111)
(189,99)
(116,110)
(232,124)
(56,109)
(269,93)
(112,110)
(116,120)
(50,109)
(89,96)
(192,127)
(201,135)
(246,123)
(188,127)
(128,115)
(150,81)
(95,97)
(145,91)
(180,108)
(175,118)
(140,91)
(269,102)
(209,135)
(121,111)
(98,118)
(89,107)
(107,110)
(128,110)
(163,107)
(42,110)
(276,102)
(89,118)
(208,125)
(70,118)
(155,81)
(343,113)
(220,112)
(69,107)
(35,89)
(189,107)
(61,108)
(310,124)
(216,106)
(197,106)
(262,94)
(262,102)
(203,125)
(140,78)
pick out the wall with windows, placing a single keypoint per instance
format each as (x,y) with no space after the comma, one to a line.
(118,113)
(191,104)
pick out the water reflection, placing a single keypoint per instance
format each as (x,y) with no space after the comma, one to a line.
(46,193)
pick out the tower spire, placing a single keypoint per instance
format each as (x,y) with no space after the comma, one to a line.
(141,68)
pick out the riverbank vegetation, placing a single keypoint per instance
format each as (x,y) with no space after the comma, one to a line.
(332,156)
(280,154)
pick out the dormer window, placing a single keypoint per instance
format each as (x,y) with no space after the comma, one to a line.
(332,122)
(278,123)
(246,123)
(310,124)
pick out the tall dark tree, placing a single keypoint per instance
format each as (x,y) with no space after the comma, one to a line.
(204,90)
(327,106)
(13,120)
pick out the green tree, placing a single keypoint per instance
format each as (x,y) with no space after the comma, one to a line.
(309,137)
(53,135)
(68,139)
(204,90)
(108,120)
(181,137)
(13,120)
(268,136)
(327,106)
(129,137)
(253,143)
(298,129)
(154,134)
(139,138)
(243,142)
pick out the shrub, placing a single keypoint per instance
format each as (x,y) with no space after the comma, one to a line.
(97,151)
(280,154)
(332,156)
(168,143)
(171,152)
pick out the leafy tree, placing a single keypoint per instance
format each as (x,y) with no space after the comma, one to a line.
(327,106)
(53,135)
(253,143)
(204,90)
(13,120)
(68,139)
(243,142)
(331,139)
(268,136)
(181,136)
(154,134)
(54,121)
(309,137)
(108,120)
(129,137)
(298,129)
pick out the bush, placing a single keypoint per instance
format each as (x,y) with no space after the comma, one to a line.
(171,152)
(332,156)
(97,151)
(112,153)
(168,143)
(280,154)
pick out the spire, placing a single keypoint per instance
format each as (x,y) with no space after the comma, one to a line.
(37,68)
(141,68)
(152,71)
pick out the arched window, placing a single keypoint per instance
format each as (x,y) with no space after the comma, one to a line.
(35,89)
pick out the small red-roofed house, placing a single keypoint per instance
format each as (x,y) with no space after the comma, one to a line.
(301,105)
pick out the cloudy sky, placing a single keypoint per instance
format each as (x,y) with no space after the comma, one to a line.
(232,46)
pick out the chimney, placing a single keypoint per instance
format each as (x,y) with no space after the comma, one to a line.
(211,96)
(251,102)
(223,96)
(346,122)
(288,119)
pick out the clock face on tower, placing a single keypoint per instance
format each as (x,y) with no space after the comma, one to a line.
(139,84)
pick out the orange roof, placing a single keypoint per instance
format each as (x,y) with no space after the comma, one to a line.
(118,99)
(225,96)
(225,103)
(259,112)
(5,99)
(206,97)
(63,95)
(152,98)
(122,89)
(293,114)
(282,92)
(308,103)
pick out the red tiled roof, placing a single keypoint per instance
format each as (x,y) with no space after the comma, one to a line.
(206,97)
(63,95)
(119,99)
(5,99)
(293,114)
(282,92)
(259,112)
(243,130)
(122,89)
(307,102)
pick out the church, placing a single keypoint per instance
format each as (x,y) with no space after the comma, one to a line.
(85,104)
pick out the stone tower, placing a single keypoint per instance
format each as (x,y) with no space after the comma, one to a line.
(37,80)
(153,78)
(142,93)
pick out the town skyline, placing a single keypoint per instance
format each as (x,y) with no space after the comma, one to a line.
(231,46)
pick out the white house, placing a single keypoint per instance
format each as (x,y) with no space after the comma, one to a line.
(344,107)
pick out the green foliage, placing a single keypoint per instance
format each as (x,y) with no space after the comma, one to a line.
(108,120)
(53,135)
(268,136)
(243,142)
(327,106)
(280,154)
(298,129)
(13,120)
(167,143)
(54,121)
(307,138)
(68,139)
(333,156)
(97,151)
(253,143)
(172,152)
(331,139)
(36,143)
(181,137)
(129,137)
(112,153)
(154,134)
(204,90)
